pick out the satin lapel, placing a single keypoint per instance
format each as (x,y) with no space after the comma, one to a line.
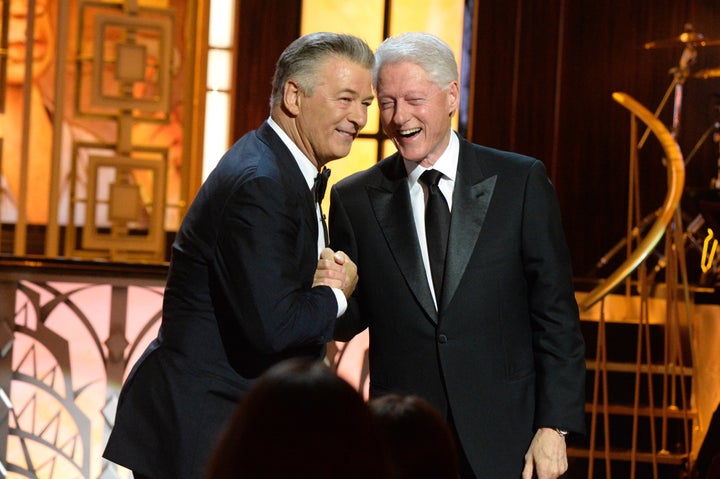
(391,204)
(471,200)
(291,172)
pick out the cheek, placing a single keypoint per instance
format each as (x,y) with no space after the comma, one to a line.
(436,118)
(385,117)
(336,115)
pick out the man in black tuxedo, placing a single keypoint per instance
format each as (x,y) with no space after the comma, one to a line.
(470,304)
(246,288)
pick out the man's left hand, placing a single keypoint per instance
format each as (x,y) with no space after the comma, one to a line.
(546,456)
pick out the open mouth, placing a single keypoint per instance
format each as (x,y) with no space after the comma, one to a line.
(17,51)
(409,133)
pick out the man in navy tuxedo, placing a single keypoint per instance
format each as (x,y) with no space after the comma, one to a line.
(246,288)
(466,284)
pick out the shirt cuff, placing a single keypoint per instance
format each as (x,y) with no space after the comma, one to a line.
(341,301)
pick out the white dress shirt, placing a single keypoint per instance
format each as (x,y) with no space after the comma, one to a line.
(447,165)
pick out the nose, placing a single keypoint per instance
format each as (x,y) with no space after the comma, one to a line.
(400,113)
(358,115)
(19,9)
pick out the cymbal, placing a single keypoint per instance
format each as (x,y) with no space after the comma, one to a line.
(685,38)
(706,73)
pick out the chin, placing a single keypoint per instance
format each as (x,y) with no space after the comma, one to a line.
(342,154)
(409,155)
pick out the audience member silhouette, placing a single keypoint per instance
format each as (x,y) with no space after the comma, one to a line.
(300,420)
(418,441)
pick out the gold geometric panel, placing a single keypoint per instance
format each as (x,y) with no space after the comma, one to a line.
(131,62)
(137,52)
(125,205)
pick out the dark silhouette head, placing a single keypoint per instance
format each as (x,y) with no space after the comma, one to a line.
(300,420)
(418,441)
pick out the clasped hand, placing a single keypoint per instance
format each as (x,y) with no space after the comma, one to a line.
(337,270)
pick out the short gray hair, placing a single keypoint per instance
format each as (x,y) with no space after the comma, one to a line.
(302,59)
(428,51)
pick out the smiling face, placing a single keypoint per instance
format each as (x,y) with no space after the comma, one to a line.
(328,120)
(43,47)
(415,112)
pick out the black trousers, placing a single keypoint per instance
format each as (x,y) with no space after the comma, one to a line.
(466,471)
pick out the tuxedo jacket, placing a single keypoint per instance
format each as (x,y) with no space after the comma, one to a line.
(504,354)
(238,299)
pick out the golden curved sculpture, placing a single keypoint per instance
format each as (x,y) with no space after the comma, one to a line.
(676,182)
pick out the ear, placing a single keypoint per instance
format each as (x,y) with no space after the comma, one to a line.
(453,97)
(292,97)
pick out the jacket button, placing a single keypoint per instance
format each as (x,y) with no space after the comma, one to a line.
(442,339)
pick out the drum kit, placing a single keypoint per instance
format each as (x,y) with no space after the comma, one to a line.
(700,229)
(690,40)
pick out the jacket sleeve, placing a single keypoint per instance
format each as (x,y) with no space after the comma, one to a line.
(558,344)
(265,260)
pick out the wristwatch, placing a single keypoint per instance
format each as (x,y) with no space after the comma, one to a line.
(562,432)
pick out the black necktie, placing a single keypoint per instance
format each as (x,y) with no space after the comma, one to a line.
(319,189)
(437,228)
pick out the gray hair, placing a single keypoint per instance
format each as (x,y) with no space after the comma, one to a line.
(302,59)
(428,51)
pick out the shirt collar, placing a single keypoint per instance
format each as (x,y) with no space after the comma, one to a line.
(308,170)
(445,164)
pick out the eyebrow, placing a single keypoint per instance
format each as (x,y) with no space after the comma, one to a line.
(355,93)
(405,95)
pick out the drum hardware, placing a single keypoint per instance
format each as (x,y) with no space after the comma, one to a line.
(715,183)
(690,41)
(636,233)
(688,37)
(703,138)
(706,73)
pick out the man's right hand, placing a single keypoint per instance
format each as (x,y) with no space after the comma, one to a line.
(337,270)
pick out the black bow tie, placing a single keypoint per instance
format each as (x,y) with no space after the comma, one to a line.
(321,184)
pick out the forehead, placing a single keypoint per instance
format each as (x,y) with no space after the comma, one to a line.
(339,72)
(329,63)
(402,77)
